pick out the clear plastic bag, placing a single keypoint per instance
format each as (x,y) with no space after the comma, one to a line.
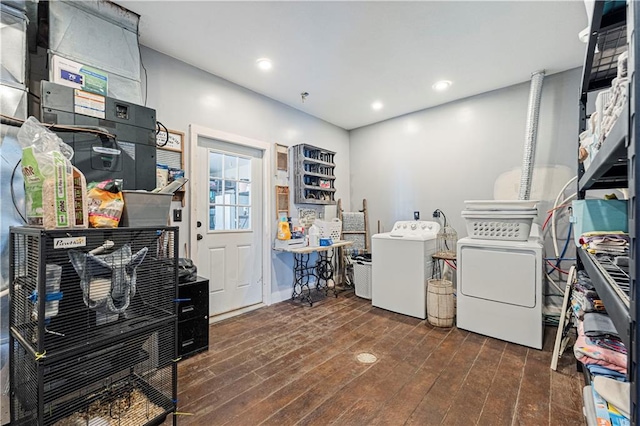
(50,196)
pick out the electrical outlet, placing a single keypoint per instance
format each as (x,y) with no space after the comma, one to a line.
(416,215)
(177,215)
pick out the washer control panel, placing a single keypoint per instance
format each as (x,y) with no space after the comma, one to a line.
(415,228)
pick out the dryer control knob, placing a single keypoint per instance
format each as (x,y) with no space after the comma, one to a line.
(414,226)
(430,226)
(424,226)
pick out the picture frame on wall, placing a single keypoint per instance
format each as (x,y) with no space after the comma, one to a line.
(282,157)
(173,143)
(282,201)
(170,153)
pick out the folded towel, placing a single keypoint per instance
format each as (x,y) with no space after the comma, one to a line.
(598,325)
(615,393)
(588,353)
(599,370)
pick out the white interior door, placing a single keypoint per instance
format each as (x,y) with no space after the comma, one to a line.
(229,215)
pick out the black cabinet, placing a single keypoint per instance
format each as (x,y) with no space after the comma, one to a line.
(193,317)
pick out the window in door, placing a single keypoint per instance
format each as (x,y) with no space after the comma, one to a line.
(229,192)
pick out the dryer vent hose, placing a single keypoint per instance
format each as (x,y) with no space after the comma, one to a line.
(531,133)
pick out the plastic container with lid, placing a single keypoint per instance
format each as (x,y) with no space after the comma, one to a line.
(314,236)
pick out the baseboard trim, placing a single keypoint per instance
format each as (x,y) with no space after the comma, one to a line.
(235,313)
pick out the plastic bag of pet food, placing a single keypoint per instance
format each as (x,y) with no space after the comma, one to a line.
(50,193)
(105,204)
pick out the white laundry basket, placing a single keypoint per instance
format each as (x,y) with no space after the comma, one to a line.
(329,229)
(506,225)
(362,277)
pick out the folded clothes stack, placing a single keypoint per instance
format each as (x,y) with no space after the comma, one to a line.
(613,108)
(584,298)
(613,243)
(598,344)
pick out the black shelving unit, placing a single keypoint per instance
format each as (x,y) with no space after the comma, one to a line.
(633,16)
(615,166)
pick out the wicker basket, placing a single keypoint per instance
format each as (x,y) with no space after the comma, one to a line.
(330,229)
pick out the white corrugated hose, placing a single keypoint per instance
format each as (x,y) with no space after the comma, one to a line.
(531,132)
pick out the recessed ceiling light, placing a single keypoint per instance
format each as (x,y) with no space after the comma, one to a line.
(377,105)
(441,85)
(264,64)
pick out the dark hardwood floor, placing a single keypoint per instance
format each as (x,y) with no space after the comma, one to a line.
(291,364)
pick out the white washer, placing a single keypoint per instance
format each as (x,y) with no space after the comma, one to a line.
(401,265)
(500,289)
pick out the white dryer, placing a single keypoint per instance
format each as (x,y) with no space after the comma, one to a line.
(401,266)
(500,289)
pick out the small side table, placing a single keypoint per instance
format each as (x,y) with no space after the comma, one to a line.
(439,259)
(322,271)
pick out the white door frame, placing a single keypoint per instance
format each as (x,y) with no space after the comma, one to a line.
(196,131)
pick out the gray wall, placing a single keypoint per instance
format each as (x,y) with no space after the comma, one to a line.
(439,157)
(183,95)
(435,158)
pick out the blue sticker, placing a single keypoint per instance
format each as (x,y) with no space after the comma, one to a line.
(73,77)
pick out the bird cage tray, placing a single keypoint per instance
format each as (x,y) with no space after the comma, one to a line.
(140,404)
(137,371)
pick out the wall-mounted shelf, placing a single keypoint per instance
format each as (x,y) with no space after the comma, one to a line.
(314,175)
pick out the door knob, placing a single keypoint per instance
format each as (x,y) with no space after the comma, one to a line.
(199,237)
(198,224)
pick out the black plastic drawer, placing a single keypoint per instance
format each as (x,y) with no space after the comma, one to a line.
(193,336)
(193,300)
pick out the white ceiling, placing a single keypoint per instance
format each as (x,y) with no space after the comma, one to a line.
(349,54)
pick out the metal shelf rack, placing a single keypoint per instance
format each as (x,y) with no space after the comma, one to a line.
(615,166)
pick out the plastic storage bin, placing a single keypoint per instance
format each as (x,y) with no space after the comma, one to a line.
(362,276)
(499,225)
(329,229)
(599,215)
(145,209)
